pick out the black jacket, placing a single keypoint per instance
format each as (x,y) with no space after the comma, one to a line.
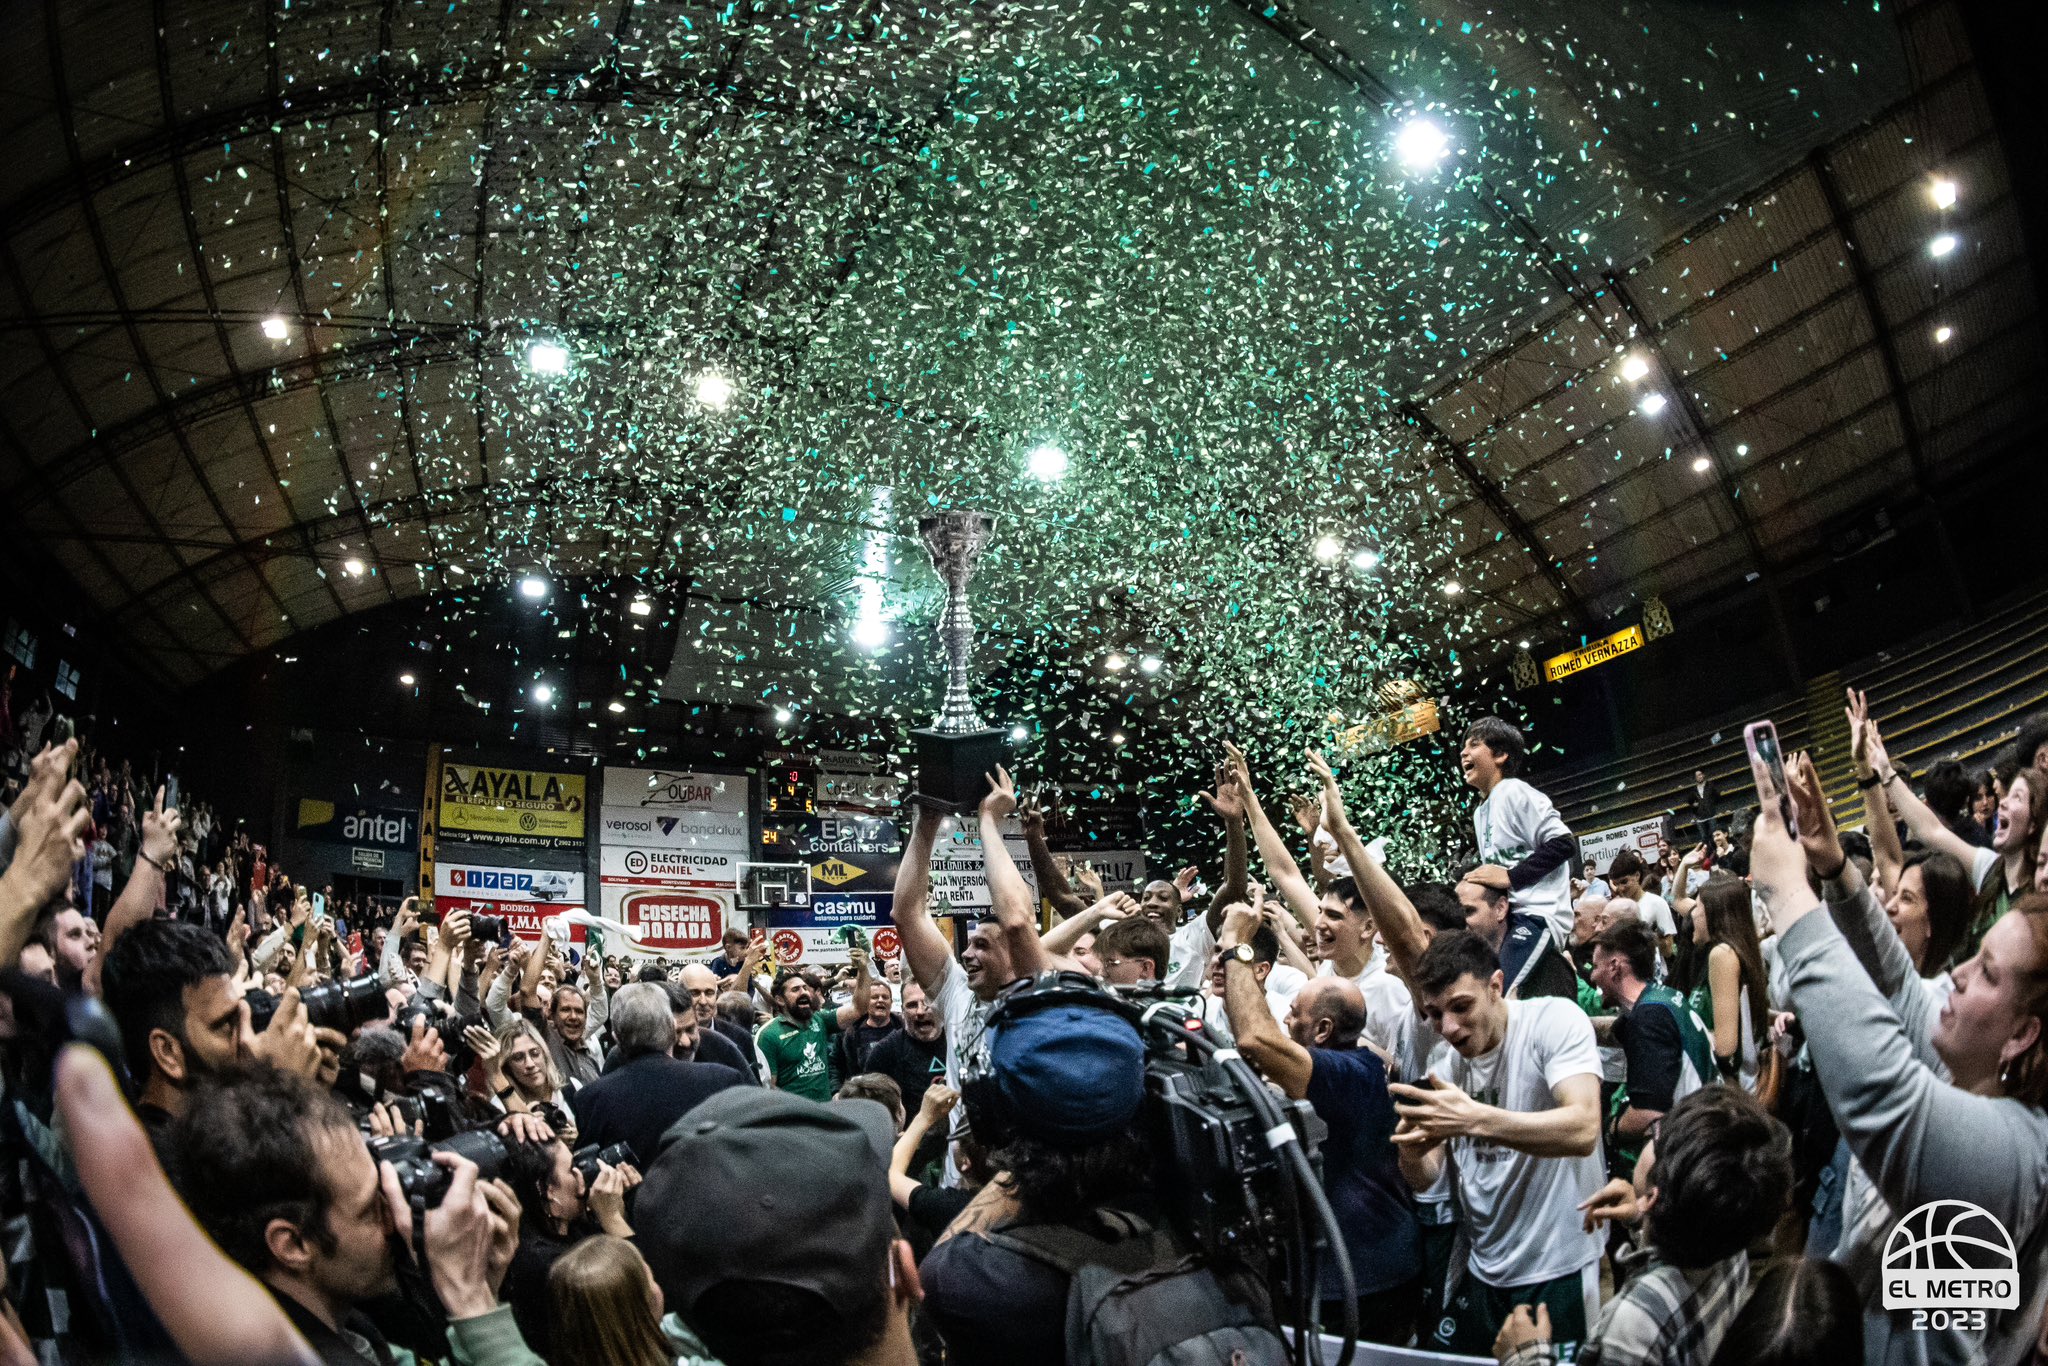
(637,1099)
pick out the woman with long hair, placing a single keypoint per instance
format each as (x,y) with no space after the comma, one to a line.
(1732,996)
(2001,873)
(1929,908)
(606,1307)
(522,1077)
(1936,1102)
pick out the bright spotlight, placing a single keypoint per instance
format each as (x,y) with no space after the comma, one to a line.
(1943,192)
(1018,735)
(543,694)
(1366,560)
(871,633)
(616,707)
(1521,645)
(1742,449)
(713,389)
(1117,738)
(276,329)
(1150,664)
(353,567)
(1634,367)
(547,358)
(1651,404)
(1328,548)
(1420,145)
(640,607)
(1942,245)
(1046,462)
(406,680)
(783,716)
(533,586)
(1116,663)
(1702,465)
(1452,588)
(1942,334)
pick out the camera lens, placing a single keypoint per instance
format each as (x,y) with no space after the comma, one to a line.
(344,1006)
(587,1158)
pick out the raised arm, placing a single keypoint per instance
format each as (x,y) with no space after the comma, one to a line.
(50,818)
(1888,856)
(145,890)
(1259,1037)
(1061,938)
(1052,880)
(1294,890)
(1393,915)
(1010,899)
(1927,827)
(925,950)
(856,1005)
(1228,801)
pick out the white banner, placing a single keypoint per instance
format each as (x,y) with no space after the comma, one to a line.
(698,867)
(471,882)
(1599,848)
(659,829)
(660,789)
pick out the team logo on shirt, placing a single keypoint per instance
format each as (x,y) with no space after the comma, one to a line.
(1952,1260)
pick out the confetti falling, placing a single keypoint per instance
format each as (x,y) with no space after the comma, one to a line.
(723,297)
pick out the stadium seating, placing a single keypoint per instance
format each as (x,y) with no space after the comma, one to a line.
(1955,693)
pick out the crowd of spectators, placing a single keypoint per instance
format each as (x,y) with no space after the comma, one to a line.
(1665,1111)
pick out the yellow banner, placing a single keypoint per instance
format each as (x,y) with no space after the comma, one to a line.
(1599,652)
(512,803)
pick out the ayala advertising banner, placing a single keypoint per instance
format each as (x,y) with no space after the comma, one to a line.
(483,804)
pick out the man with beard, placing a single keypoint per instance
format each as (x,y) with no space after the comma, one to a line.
(797,1043)
(1001,947)
(915,1056)
(171,990)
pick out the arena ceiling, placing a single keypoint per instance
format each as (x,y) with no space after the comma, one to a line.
(316,305)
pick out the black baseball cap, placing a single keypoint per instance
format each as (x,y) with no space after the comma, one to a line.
(757,1185)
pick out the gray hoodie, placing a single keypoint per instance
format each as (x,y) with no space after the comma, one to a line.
(1868,1024)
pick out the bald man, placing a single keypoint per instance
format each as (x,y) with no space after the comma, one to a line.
(1318,1057)
(703,985)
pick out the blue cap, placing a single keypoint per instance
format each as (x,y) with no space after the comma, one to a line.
(1070,1075)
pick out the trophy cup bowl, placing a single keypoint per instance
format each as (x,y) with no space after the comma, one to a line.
(958,750)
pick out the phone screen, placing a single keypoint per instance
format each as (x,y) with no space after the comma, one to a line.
(170,792)
(1763,744)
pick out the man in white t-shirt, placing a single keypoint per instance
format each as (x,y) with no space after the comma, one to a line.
(1512,1105)
(1517,827)
(1194,944)
(1002,947)
(1345,947)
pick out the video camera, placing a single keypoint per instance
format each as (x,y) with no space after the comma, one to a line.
(341,1006)
(424,1181)
(1253,1205)
(585,1160)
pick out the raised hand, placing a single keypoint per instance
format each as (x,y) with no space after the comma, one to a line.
(1087,881)
(1228,800)
(1308,812)
(160,831)
(1002,794)
(289,1042)
(1816,821)
(1184,883)
(424,1052)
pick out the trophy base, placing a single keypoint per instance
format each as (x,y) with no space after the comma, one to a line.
(952,769)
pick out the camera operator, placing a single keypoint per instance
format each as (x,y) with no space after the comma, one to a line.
(277,1173)
(1063,1087)
(1318,1059)
(559,1205)
(170,988)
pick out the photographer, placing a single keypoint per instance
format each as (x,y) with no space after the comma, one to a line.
(170,988)
(277,1173)
(560,1203)
(1318,1059)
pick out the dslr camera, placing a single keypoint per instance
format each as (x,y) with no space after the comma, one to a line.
(585,1160)
(424,1181)
(340,1006)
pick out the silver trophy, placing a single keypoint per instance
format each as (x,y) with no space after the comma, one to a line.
(959,748)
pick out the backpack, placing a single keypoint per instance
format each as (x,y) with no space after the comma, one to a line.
(1138,1297)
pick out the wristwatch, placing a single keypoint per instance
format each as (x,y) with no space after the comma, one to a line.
(1241,952)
